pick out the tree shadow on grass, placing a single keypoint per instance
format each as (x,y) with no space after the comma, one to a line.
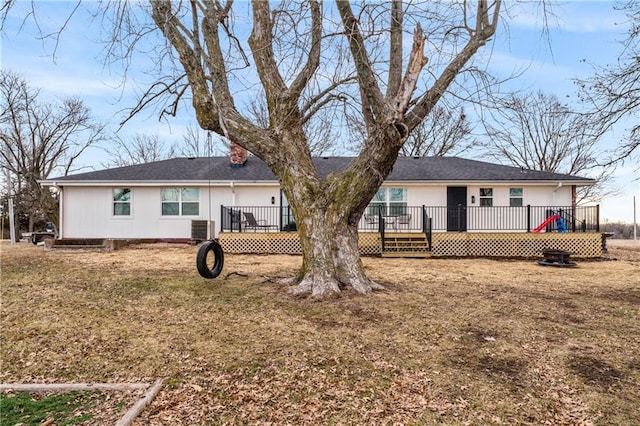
(594,371)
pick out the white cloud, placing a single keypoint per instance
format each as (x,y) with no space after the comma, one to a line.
(570,16)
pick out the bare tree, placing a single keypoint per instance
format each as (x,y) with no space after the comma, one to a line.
(303,59)
(614,90)
(327,209)
(443,132)
(538,132)
(198,143)
(142,148)
(39,138)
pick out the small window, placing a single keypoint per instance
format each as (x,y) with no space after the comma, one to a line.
(170,202)
(515,197)
(486,197)
(190,202)
(180,202)
(122,202)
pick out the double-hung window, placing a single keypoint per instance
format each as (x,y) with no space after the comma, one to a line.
(121,202)
(390,201)
(180,201)
(486,197)
(515,197)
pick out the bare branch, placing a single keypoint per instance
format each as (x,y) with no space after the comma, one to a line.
(395,49)
(486,24)
(313,60)
(372,100)
(261,42)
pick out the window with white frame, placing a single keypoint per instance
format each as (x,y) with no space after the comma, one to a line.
(121,201)
(486,197)
(515,197)
(180,201)
(390,201)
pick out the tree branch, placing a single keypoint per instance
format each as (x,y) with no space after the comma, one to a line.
(485,28)
(372,100)
(203,104)
(395,49)
(313,60)
(261,43)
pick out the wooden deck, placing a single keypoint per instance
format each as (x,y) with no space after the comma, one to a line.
(449,244)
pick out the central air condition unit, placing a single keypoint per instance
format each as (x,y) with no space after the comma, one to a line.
(202,230)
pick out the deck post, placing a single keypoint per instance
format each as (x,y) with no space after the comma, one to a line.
(381,227)
(528,217)
(597,217)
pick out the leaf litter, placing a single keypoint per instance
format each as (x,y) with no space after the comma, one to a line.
(457,341)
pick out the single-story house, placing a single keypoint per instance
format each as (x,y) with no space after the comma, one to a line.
(163,199)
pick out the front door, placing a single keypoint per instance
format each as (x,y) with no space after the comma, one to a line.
(457,208)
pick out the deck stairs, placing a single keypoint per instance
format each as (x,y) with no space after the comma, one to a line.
(406,245)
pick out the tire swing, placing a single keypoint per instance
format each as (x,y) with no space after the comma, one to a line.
(210,266)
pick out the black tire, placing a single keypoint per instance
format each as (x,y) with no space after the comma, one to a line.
(204,269)
(34,239)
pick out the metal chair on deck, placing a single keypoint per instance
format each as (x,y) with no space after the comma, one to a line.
(250,222)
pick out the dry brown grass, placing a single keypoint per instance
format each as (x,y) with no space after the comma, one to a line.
(471,341)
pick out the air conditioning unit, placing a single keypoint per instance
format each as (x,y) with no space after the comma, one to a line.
(203,230)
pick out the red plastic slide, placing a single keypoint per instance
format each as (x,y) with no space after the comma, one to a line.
(546,222)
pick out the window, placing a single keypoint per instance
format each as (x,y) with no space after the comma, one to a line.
(486,197)
(122,202)
(391,201)
(515,197)
(180,201)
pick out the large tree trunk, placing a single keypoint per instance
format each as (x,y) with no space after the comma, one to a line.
(327,210)
(331,259)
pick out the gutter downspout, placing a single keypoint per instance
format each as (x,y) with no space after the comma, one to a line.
(554,192)
(60,209)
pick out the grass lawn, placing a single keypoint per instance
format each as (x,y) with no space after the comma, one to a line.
(452,341)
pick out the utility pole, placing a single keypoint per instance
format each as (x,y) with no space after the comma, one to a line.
(635,222)
(12,215)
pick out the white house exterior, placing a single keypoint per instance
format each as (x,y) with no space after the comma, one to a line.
(160,200)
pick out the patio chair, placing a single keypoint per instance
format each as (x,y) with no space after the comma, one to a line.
(250,222)
(404,220)
(371,220)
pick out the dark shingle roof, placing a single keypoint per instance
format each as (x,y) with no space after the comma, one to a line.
(406,169)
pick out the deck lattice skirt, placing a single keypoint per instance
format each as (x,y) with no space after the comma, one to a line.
(464,244)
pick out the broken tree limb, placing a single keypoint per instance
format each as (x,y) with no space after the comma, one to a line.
(139,406)
(58,387)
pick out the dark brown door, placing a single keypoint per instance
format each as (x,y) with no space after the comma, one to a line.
(456,208)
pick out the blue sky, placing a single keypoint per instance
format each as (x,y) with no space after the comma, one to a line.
(583,30)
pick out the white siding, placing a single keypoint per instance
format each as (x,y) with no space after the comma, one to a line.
(88,211)
(538,195)
(533,195)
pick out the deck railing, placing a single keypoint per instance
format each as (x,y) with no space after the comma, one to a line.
(425,219)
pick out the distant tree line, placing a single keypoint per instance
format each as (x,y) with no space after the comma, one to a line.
(620,230)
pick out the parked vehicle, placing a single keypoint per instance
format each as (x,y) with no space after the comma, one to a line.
(36,237)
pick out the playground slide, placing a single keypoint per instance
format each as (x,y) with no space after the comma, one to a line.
(548,221)
(561,225)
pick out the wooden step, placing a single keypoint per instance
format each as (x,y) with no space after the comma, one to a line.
(407,245)
(407,254)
